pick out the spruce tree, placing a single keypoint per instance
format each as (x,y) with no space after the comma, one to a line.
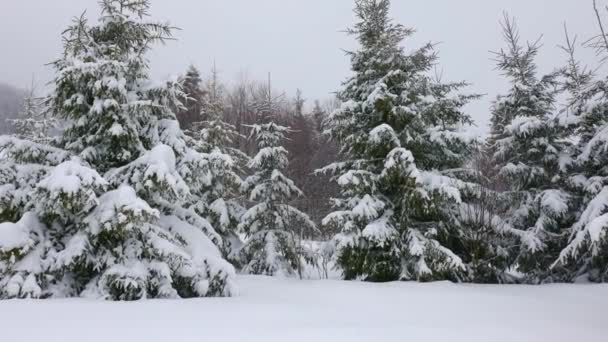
(107,211)
(527,148)
(32,122)
(219,200)
(400,137)
(271,247)
(485,242)
(585,254)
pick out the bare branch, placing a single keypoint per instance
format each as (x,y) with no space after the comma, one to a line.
(599,43)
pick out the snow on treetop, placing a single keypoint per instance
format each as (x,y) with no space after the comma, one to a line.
(268,135)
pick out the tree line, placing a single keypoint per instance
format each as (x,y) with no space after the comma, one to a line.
(165,190)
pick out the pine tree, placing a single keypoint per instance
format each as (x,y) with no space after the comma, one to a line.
(527,149)
(400,136)
(107,212)
(271,247)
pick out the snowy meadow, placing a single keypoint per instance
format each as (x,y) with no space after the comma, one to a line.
(270,309)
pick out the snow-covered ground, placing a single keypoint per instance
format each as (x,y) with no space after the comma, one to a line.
(291,311)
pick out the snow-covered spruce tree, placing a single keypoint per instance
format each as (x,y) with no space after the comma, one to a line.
(585,255)
(528,152)
(271,247)
(214,132)
(399,130)
(32,122)
(106,213)
(219,201)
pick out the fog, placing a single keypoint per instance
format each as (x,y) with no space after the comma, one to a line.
(301,42)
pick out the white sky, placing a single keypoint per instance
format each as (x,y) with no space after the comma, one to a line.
(300,41)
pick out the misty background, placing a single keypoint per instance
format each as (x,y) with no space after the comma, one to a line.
(301,42)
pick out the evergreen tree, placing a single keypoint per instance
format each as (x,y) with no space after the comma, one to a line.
(585,255)
(219,199)
(486,243)
(265,103)
(527,149)
(11,100)
(32,122)
(215,132)
(271,246)
(106,213)
(399,130)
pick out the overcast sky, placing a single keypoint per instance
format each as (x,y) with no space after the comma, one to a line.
(300,41)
